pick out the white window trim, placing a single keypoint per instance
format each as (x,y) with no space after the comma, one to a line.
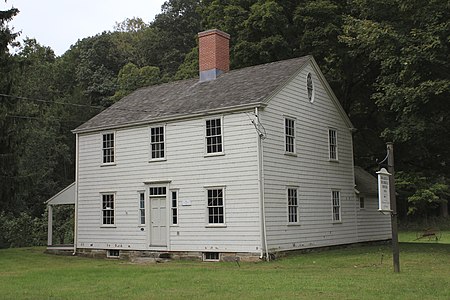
(206,140)
(313,94)
(140,224)
(215,225)
(332,207)
(171,207)
(329,145)
(114,210)
(150,159)
(103,164)
(295,135)
(298,205)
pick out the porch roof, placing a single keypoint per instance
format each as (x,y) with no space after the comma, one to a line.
(66,196)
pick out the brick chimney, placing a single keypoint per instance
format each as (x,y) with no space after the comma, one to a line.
(213,53)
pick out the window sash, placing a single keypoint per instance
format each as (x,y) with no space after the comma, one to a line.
(289,134)
(332,141)
(214,136)
(216,206)
(157,142)
(336,205)
(142,208)
(108,148)
(174,207)
(292,205)
(108,209)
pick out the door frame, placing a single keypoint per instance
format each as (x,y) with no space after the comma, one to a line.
(152,184)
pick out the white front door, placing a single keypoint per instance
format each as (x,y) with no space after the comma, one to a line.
(158,222)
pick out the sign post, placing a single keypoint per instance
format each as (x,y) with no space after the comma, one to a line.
(387,202)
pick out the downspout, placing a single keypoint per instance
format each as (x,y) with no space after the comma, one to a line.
(75,223)
(264,249)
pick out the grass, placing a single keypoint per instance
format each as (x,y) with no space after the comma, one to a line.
(353,273)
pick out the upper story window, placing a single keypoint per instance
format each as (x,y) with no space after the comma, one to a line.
(214,136)
(216,213)
(336,202)
(289,135)
(108,209)
(292,205)
(157,142)
(108,148)
(310,87)
(332,144)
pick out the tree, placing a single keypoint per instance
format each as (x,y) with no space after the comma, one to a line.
(8,163)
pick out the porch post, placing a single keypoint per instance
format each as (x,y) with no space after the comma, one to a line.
(50,226)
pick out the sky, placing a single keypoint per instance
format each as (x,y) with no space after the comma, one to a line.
(59,24)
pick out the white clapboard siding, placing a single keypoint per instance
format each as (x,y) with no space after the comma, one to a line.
(310,170)
(372,224)
(188,171)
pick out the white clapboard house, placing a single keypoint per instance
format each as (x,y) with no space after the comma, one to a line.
(242,163)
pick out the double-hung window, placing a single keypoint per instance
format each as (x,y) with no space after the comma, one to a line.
(213,136)
(141,208)
(336,202)
(289,135)
(216,213)
(108,209)
(332,144)
(108,148)
(157,142)
(292,205)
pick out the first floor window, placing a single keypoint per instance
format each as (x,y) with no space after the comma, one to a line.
(214,136)
(292,205)
(361,202)
(289,135)
(332,142)
(335,195)
(174,207)
(157,142)
(108,209)
(215,206)
(108,148)
(142,208)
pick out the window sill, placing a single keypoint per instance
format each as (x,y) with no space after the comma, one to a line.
(107,164)
(216,226)
(333,160)
(157,159)
(293,224)
(290,154)
(337,222)
(108,226)
(214,154)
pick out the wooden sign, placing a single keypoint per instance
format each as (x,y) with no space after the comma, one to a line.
(384,197)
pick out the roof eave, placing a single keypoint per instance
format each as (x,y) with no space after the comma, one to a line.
(198,114)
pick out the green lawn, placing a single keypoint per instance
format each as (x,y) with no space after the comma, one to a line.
(354,273)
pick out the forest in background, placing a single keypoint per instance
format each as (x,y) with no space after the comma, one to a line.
(388,62)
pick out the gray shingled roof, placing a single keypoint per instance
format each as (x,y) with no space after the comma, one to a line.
(365,182)
(236,88)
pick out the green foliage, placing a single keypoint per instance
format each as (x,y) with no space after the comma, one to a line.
(423,194)
(131,78)
(22,230)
